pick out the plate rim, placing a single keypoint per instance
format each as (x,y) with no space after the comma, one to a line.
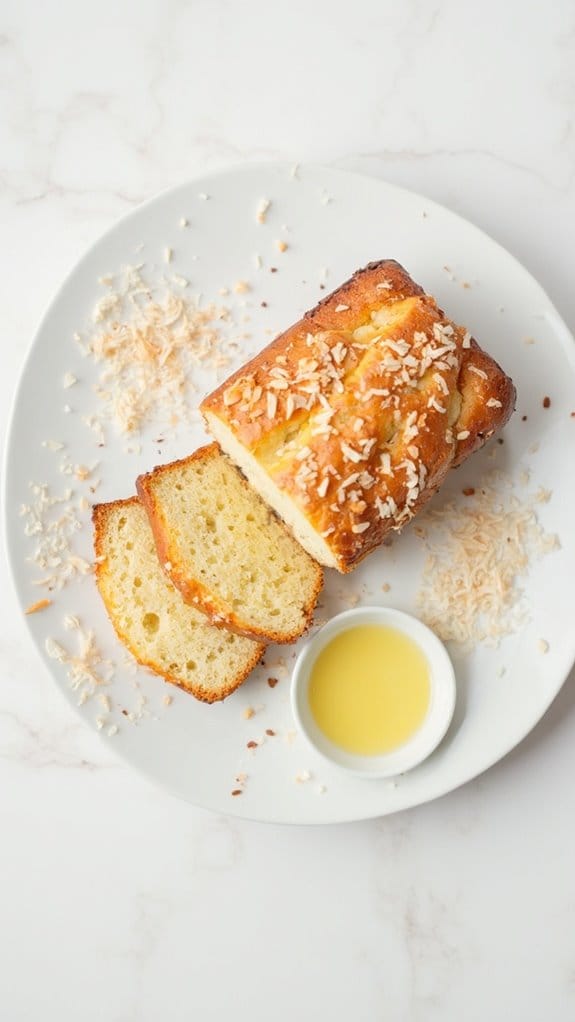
(224,170)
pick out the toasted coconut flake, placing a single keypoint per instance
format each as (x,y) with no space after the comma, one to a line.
(478,372)
(146,359)
(479,551)
(359,527)
(37,606)
(262,210)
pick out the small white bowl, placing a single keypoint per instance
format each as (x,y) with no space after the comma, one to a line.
(441,702)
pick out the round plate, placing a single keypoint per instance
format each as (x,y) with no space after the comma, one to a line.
(333,223)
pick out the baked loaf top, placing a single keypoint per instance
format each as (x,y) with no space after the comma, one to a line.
(150,616)
(226,551)
(349,421)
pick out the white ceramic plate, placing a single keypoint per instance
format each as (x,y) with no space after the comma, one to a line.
(337,222)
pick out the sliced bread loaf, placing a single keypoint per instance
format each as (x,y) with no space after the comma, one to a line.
(150,616)
(226,551)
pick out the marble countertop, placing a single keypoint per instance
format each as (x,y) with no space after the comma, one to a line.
(117,902)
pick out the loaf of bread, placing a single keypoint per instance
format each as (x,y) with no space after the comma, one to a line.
(348,423)
(151,618)
(224,549)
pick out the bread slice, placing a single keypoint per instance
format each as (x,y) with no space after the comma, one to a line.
(347,423)
(226,551)
(150,616)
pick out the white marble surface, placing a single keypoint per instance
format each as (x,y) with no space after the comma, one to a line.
(118,903)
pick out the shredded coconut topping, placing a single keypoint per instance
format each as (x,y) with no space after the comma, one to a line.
(52,521)
(478,553)
(148,353)
(87,669)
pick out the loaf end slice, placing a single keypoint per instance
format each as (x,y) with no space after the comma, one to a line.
(226,551)
(150,617)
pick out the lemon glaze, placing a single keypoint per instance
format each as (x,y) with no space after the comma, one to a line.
(369,689)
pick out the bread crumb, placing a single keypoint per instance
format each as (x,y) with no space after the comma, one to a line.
(39,605)
(303,777)
(168,253)
(282,245)
(248,713)
(546,402)
(543,646)
(237,791)
(527,340)
(385,587)
(501,671)
(183,222)
(270,732)
(167,700)
(204,196)
(321,789)
(241,287)
(69,380)
(272,682)
(113,730)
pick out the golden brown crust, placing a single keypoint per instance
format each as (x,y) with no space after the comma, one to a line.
(434,392)
(100,514)
(193,591)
